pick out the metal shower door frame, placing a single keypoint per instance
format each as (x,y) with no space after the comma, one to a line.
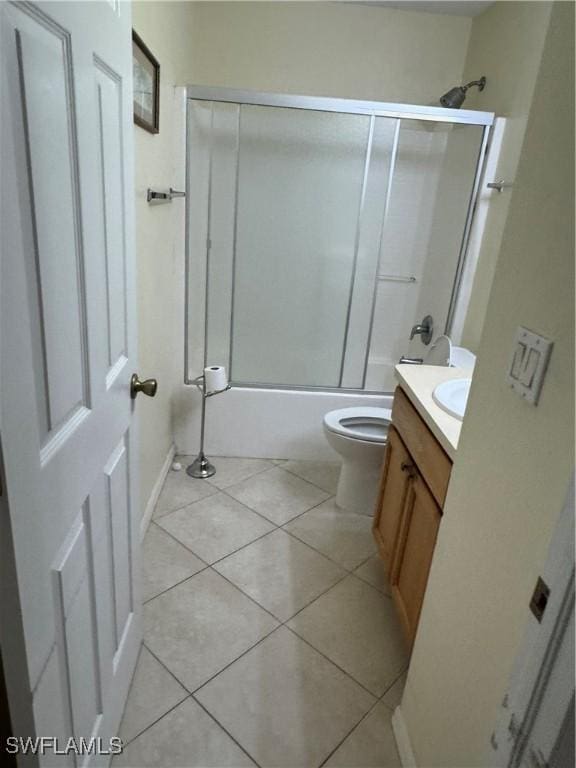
(370,109)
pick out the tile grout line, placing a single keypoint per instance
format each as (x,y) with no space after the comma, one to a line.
(229,664)
(348,674)
(219,724)
(177,584)
(392,686)
(282,623)
(147,728)
(280,526)
(162,664)
(350,732)
(274,616)
(327,557)
(192,694)
(224,557)
(275,466)
(248,477)
(245,594)
(168,533)
(375,554)
(364,717)
(209,484)
(276,526)
(290,471)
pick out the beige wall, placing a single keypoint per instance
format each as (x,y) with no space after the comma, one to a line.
(515,460)
(506,44)
(328,49)
(165,27)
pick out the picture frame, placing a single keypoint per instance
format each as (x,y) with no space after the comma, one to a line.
(146,77)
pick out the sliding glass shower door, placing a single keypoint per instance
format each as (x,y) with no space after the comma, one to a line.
(310,232)
(300,181)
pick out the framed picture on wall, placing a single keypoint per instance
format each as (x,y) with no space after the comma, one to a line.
(146,71)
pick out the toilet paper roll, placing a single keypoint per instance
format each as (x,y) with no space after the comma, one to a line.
(215,378)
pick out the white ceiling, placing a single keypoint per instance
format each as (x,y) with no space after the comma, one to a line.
(456,7)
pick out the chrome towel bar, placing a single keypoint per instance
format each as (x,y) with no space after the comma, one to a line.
(397,278)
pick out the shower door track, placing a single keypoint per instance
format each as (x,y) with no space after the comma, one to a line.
(351,106)
(347,106)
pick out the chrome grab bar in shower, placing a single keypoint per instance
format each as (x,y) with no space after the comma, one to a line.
(397,278)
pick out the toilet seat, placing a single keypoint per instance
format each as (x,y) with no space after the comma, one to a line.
(366,424)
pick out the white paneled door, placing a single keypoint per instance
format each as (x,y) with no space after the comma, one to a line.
(72,628)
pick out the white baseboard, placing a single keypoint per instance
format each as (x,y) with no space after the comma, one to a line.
(151,503)
(403,740)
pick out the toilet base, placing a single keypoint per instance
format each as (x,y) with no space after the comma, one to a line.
(358,488)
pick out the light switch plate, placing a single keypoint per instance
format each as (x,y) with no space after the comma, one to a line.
(528,364)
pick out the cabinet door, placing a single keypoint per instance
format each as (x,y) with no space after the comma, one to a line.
(396,474)
(413,552)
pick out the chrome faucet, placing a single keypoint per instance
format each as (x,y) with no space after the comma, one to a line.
(425,330)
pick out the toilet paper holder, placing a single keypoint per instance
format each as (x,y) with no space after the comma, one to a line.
(201,468)
(199,383)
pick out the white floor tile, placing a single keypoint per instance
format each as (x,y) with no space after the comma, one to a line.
(285,703)
(186,736)
(357,628)
(372,572)
(324,474)
(393,695)
(165,562)
(179,490)
(201,625)
(215,527)
(278,495)
(230,471)
(280,573)
(153,692)
(277,694)
(341,536)
(370,745)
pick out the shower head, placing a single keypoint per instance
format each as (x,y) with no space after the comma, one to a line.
(454,98)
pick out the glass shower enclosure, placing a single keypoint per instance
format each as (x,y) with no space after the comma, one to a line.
(319,231)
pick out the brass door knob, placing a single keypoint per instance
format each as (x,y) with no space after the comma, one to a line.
(148,386)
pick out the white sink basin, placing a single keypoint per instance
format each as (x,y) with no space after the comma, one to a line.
(452,396)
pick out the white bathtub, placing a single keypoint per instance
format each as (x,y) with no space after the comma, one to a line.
(263,423)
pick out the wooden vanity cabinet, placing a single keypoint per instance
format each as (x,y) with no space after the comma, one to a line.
(413,487)
(415,544)
(393,491)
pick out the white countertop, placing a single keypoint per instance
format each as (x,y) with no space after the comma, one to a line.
(418,382)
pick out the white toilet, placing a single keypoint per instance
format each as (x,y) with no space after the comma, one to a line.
(359,435)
